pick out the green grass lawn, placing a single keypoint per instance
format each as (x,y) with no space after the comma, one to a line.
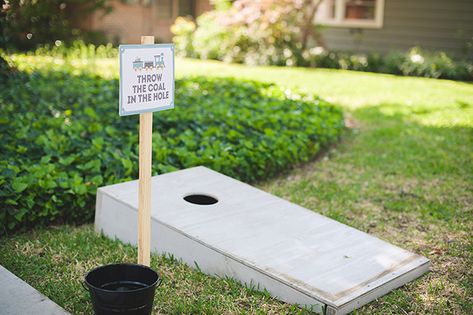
(402,172)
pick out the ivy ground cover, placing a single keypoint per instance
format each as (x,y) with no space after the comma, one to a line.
(62,136)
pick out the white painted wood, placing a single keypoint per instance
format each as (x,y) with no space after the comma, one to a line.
(298,255)
(323,16)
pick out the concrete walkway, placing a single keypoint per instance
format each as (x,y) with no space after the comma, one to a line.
(19,298)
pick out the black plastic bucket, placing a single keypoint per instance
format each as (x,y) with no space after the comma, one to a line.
(122,289)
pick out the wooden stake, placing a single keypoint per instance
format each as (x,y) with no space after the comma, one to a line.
(144,198)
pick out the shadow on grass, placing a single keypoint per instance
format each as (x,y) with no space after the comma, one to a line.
(432,160)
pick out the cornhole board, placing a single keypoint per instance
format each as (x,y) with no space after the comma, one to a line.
(299,256)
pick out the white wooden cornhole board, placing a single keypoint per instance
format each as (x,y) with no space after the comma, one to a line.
(299,256)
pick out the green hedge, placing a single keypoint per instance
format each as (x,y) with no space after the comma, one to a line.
(209,38)
(62,138)
(26,24)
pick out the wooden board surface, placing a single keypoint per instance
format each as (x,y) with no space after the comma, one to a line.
(333,263)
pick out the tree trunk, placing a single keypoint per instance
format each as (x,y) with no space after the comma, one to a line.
(311,7)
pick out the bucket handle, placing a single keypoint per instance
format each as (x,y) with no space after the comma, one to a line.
(160,280)
(84,286)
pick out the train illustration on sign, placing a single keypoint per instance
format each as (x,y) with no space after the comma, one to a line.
(157,63)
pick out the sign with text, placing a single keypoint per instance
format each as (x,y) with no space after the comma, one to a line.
(146,78)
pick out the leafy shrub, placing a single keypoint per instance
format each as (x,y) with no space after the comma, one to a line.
(29,23)
(6,68)
(62,138)
(78,49)
(254,32)
(183,29)
(269,33)
(418,63)
(212,40)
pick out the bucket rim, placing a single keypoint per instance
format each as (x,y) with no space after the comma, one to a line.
(158,280)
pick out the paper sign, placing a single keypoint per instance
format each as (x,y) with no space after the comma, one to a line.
(146,78)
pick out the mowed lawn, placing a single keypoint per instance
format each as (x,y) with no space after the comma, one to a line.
(403,172)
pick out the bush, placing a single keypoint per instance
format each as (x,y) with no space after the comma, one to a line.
(183,29)
(77,50)
(62,138)
(6,68)
(29,23)
(253,32)
(270,35)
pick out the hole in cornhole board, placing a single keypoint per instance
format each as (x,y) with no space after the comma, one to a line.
(200,199)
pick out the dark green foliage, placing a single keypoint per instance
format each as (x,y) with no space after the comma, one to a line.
(6,68)
(62,138)
(25,24)
(209,38)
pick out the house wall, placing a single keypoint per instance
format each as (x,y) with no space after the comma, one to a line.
(444,25)
(127,22)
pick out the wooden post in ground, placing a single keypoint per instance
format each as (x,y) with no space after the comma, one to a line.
(144,195)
